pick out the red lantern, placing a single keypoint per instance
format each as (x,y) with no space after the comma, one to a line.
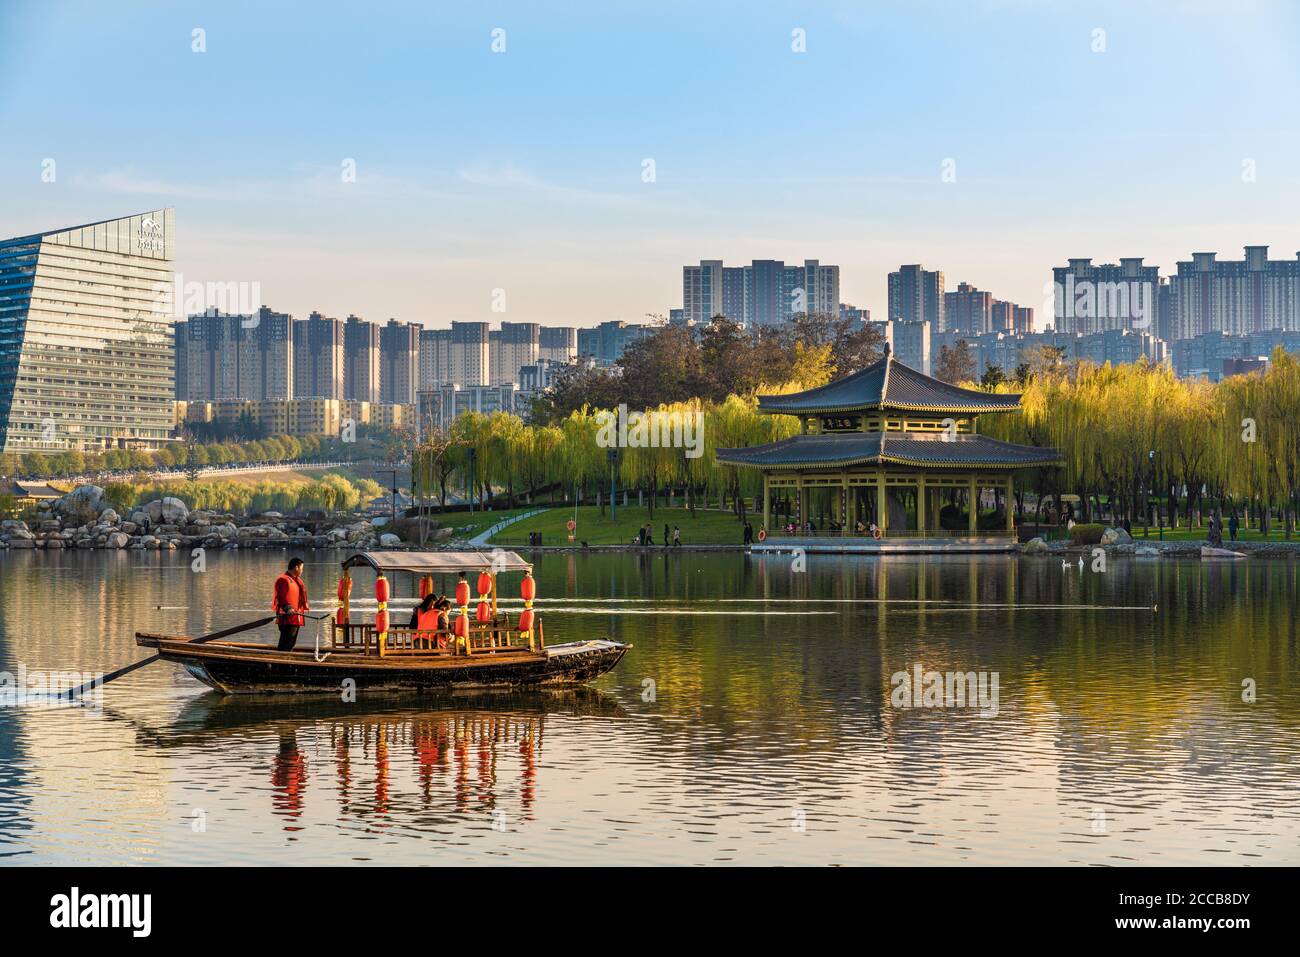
(462,593)
(462,626)
(528,587)
(483,613)
(381,622)
(381,589)
(484,583)
(526,620)
(345,587)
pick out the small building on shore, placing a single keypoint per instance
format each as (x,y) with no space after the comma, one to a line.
(891,447)
(29,493)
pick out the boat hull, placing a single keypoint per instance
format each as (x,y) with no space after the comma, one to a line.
(242,669)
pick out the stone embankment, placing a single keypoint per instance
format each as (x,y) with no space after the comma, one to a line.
(84,518)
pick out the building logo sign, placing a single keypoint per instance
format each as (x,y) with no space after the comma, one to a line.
(842,423)
(150,235)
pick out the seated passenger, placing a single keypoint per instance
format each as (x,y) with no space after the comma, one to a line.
(424,617)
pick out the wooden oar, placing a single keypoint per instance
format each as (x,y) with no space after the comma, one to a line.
(113,676)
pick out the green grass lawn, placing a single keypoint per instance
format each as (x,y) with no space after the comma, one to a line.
(706,528)
(1185,534)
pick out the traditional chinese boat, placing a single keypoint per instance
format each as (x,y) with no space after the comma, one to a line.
(480,649)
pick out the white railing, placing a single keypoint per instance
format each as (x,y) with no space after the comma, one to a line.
(482,538)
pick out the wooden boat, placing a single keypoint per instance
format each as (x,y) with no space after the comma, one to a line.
(490,652)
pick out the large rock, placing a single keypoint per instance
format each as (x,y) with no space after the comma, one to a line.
(226,530)
(109,516)
(117,540)
(389,540)
(22,543)
(83,504)
(166,511)
(1115,536)
(1035,546)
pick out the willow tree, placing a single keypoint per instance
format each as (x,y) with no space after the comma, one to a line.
(581,458)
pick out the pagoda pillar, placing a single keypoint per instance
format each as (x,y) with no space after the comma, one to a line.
(882,516)
(973,498)
(767,501)
(922,507)
(1011,516)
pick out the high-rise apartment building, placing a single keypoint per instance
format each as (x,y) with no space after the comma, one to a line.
(266,355)
(766,292)
(1090,298)
(87,356)
(435,358)
(702,290)
(360,360)
(917,295)
(318,357)
(967,310)
(514,345)
(558,344)
(606,342)
(470,357)
(223,356)
(910,343)
(399,362)
(1009,317)
(1235,297)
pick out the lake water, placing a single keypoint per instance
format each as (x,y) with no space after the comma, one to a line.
(751,723)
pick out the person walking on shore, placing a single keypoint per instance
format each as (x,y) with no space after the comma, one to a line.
(677,537)
(289,603)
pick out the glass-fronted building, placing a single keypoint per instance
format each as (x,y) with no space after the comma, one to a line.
(86,352)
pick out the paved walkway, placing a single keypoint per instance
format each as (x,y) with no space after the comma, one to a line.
(855,545)
(481,539)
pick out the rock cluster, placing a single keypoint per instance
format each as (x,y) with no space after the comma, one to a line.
(84,518)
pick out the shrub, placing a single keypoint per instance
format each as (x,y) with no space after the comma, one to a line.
(1086,534)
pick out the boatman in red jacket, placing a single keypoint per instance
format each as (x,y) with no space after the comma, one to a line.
(289,603)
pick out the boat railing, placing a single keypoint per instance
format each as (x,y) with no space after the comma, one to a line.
(495,637)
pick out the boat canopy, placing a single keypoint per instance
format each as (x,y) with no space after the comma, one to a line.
(439,563)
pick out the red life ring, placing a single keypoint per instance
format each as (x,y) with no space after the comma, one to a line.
(875,532)
(762,534)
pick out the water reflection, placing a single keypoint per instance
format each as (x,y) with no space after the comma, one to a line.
(754,698)
(381,756)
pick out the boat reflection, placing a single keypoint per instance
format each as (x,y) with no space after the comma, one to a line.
(387,758)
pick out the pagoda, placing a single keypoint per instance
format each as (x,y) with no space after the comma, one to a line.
(891,447)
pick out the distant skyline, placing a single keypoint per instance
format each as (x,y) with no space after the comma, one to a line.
(524,170)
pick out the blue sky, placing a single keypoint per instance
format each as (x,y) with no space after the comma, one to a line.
(522,170)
